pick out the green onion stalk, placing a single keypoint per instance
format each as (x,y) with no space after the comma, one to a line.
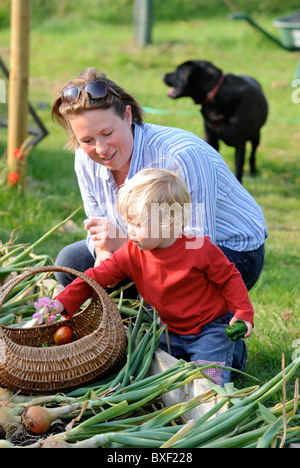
(114,412)
(244,413)
(18,257)
(247,423)
(126,394)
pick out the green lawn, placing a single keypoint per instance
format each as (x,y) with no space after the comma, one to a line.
(62,46)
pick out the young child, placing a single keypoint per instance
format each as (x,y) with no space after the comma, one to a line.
(195,289)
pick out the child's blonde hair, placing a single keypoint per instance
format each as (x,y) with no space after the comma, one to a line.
(155,194)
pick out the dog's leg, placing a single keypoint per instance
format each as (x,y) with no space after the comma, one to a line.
(214,143)
(211,138)
(254,143)
(239,160)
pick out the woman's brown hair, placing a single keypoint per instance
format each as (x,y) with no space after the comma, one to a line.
(61,113)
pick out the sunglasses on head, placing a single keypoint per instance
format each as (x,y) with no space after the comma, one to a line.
(94,89)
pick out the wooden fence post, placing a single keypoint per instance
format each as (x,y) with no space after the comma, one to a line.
(143,18)
(18,85)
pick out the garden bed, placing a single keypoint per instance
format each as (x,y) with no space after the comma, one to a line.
(151,401)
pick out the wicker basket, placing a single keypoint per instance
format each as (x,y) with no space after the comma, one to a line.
(99,343)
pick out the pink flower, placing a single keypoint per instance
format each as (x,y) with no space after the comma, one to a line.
(40,316)
(45,308)
(54,305)
(44,301)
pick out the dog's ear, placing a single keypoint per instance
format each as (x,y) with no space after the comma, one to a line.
(202,76)
(185,70)
(206,71)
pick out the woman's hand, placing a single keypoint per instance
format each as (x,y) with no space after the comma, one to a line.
(106,237)
(248,324)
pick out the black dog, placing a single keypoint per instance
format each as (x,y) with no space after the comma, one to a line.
(234,107)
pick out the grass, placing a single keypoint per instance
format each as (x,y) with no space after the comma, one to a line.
(62,45)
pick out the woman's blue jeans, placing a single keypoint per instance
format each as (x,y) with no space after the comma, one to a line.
(76,256)
(249,264)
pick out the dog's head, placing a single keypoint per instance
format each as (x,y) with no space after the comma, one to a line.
(194,79)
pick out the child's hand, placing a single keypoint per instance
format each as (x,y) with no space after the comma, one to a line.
(248,324)
(59,308)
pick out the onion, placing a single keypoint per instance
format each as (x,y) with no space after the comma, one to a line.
(59,442)
(38,419)
(5,394)
(55,442)
(10,416)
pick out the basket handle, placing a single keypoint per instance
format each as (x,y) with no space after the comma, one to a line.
(9,286)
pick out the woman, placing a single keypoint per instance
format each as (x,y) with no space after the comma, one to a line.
(112,143)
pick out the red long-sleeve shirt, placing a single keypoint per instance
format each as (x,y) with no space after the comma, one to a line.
(188,285)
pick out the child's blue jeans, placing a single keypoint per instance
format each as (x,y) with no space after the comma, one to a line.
(212,345)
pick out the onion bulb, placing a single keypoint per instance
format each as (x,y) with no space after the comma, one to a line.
(38,419)
(10,416)
(59,442)
(5,394)
(55,442)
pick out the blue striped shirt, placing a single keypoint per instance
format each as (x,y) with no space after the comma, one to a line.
(221,207)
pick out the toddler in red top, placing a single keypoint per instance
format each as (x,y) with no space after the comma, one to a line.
(195,289)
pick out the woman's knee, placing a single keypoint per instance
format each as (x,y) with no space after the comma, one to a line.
(76,256)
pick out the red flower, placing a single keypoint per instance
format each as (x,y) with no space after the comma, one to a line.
(18,154)
(13,177)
